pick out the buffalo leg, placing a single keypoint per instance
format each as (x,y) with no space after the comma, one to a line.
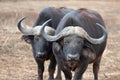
(52,68)
(40,69)
(96,66)
(56,50)
(79,73)
(67,73)
(58,76)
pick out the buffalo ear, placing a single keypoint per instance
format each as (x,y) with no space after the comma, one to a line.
(27,38)
(89,45)
(56,47)
(86,44)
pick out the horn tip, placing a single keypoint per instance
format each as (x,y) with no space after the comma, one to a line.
(98,24)
(49,20)
(21,20)
(23,17)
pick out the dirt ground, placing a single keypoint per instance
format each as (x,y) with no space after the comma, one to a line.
(16,60)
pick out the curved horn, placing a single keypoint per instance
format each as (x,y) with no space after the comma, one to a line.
(35,30)
(75,30)
(21,28)
(48,30)
(66,31)
(44,34)
(99,40)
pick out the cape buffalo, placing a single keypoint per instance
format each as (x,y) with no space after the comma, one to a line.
(80,39)
(42,49)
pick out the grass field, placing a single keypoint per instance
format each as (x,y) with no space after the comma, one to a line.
(16,60)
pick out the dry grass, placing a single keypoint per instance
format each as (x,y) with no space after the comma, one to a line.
(16,61)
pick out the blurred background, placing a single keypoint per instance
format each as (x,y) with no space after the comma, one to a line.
(16,59)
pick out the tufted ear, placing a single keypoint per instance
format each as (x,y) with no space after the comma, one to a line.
(88,45)
(27,38)
(56,47)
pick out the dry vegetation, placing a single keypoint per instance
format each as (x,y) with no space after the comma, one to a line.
(16,61)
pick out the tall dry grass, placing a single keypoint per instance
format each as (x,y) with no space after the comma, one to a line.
(16,60)
(14,51)
(9,33)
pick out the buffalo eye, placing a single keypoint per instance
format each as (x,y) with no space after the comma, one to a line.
(27,38)
(66,42)
(36,38)
(80,42)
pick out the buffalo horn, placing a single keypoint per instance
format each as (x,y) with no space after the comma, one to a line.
(75,30)
(21,28)
(34,30)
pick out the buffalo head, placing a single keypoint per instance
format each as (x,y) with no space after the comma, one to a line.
(33,36)
(71,40)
